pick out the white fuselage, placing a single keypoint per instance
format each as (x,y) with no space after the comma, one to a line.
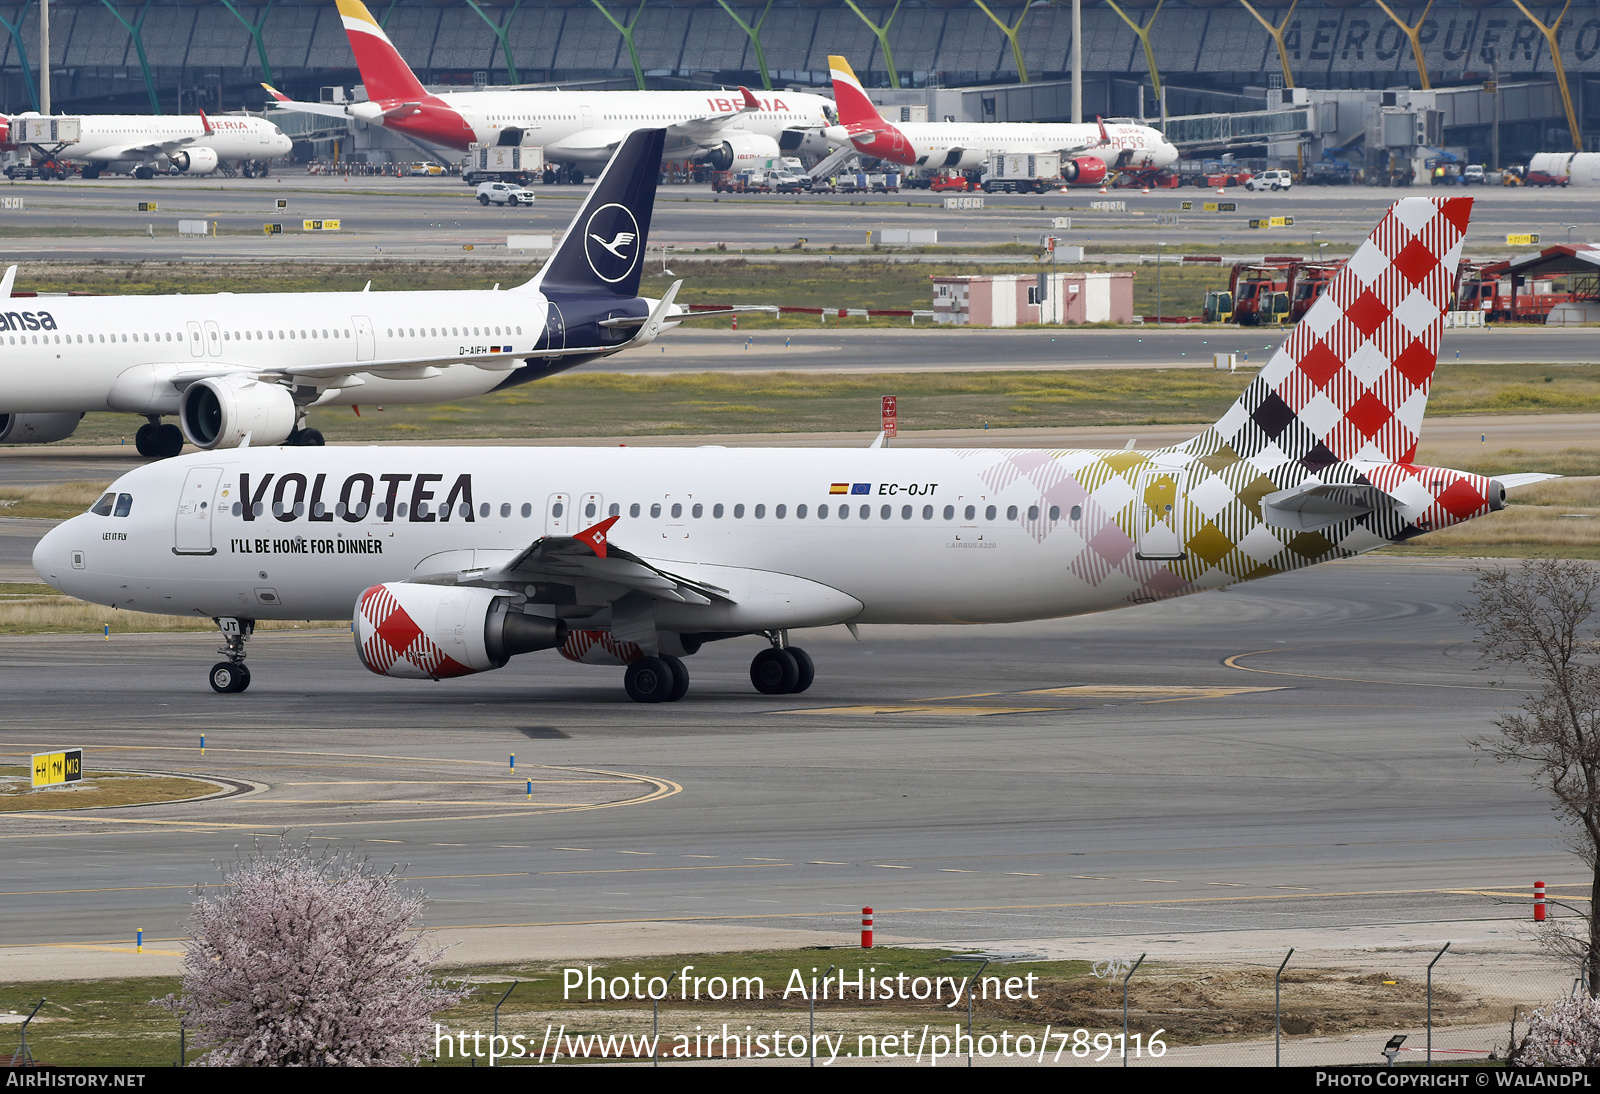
(61,353)
(926,538)
(1128,146)
(584,126)
(124,141)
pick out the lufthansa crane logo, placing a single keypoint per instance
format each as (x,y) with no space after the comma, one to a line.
(611,242)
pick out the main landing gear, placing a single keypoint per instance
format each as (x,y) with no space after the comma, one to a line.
(782,669)
(656,680)
(305,438)
(232,675)
(158,441)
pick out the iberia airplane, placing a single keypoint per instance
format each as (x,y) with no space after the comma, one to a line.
(454,560)
(238,368)
(728,129)
(1087,151)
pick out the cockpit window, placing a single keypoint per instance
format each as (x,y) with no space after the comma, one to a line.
(124,505)
(102,508)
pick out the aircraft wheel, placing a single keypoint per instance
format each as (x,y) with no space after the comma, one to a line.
(808,671)
(228,678)
(774,671)
(649,680)
(575,176)
(680,678)
(143,172)
(308,438)
(169,441)
(147,440)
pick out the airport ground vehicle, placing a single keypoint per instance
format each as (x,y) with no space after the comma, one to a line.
(1218,307)
(515,163)
(1544,178)
(947,181)
(634,558)
(503,193)
(742,182)
(868,182)
(1277,179)
(1022,173)
(1328,173)
(1488,288)
(1474,174)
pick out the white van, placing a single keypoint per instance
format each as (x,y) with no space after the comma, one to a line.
(1270,180)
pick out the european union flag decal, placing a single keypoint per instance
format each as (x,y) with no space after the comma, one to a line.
(861,488)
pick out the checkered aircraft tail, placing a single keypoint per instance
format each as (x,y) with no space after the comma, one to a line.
(1350,383)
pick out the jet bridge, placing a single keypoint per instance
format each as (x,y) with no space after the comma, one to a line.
(1197,133)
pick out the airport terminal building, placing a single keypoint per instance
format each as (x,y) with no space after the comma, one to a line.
(170,56)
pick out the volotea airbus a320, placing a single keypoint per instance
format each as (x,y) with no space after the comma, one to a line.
(455,560)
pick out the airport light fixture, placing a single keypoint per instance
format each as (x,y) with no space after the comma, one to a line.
(1392,1049)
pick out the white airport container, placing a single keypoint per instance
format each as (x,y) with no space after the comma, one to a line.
(193,227)
(1023,165)
(1224,361)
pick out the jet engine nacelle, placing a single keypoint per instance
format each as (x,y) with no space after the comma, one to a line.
(221,411)
(432,632)
(195,161)
(1084,170)
(742,151)
(37,428)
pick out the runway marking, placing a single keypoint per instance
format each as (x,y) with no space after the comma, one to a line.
(887,866)
(1233,663)
(937,712)
(819,862)
(1153,694)
(635,852)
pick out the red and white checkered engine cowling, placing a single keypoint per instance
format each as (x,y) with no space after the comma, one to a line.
(423,632)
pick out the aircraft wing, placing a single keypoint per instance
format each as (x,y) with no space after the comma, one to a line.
(141,151)
(277,100)
(589,555)
(702,129)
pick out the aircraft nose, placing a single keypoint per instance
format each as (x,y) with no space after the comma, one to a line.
(52,555)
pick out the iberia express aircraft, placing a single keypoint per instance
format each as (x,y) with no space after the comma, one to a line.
(728,129)
(454,560)
(1088,152)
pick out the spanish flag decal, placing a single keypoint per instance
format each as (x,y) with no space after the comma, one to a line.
(839,488)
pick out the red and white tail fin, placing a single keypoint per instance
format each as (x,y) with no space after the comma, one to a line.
(205,122)
(1351,380)
(383,71)
(848,95)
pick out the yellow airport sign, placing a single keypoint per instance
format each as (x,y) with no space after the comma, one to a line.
(1218,206)
(272,229)
(321,225)
(57,768)
(1526,239)
(147,207)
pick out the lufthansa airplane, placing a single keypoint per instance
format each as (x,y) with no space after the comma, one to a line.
(236,368)
(454,560)
(728,129)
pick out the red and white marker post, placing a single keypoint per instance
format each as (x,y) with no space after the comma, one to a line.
(891,422)
(866,928)
(1538,902)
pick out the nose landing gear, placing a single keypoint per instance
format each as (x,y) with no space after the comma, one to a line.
(231,675)
(782,669)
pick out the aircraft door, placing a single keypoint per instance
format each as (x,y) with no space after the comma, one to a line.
(586,117)
(192,533)
(555,328)
(591,511)
(213,338)
(1160,512)
(558,515)
(366,343)
(196,340)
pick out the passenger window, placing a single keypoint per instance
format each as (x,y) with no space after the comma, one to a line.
(698,511)
(761,511)
(557,509)
(677,510)
(927,512)
(124,505)
(483,510)
(970,512)
(102,508)
(990,513)
(949,512)
(1055,511)
(238,509)
(1077,512)
(505,509)
(655,510)
(527,509)
(799,512)
(633,510)
(590,510)
(822,512)
(1033,512)
(400,510)
(616,510)
(1011,512)
(905,512)
(738,511)
(780,511)
(716,510)
(886,512)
